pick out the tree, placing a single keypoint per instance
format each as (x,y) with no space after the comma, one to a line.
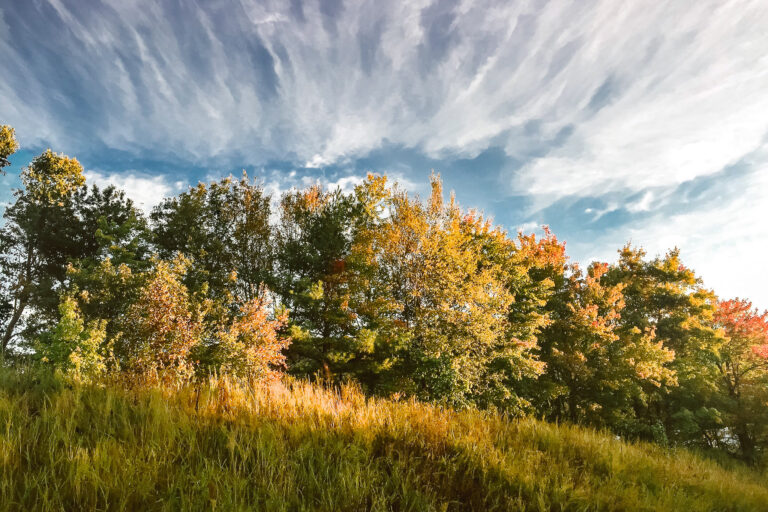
(37,239)
(56,234)
(224,228)
(665,297)
(313,243)
(163,326)
(596,372)
(157,330)
(111,226)
(77,350)
(743,376)
(443,300)
(252,345)
(114,242)
(8,146)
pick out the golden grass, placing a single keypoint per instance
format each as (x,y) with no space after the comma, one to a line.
(297,446)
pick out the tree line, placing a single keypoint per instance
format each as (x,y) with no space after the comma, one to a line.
(408,297)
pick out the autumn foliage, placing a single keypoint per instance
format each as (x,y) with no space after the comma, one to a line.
(744,326)
(252,346)
(162,327)
(407,297)
(743,373)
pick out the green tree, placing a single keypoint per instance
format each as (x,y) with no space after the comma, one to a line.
(596,372)
(224,228)
(111,226)
(114,242)
(57,234)
(38,240)
(77,350)
(313,241)
(663,296)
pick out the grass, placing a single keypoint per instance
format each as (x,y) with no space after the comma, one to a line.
(300,447)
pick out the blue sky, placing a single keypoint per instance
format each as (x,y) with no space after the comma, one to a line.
(610,121)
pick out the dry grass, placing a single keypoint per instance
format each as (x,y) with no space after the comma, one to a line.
(300,447)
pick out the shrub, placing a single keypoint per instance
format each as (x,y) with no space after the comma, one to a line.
(252,346)
(163,326)
(77,350)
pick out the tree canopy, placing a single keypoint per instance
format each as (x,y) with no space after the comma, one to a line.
(406,296)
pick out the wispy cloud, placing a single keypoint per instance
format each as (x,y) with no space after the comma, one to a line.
(587,115)
(716,221)
(590,87)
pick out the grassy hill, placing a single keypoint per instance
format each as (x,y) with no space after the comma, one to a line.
(300,447)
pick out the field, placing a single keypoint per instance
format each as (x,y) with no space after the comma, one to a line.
(297,446)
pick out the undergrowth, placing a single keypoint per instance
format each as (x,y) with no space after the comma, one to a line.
(297,446)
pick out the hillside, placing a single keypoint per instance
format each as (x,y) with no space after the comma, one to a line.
(300,447)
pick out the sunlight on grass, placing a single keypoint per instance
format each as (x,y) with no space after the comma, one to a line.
(296,446)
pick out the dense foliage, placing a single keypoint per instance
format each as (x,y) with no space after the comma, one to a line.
(404,296)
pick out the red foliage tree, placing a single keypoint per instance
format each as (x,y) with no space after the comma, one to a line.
(743,365)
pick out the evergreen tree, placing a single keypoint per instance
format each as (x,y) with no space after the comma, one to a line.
(314,239)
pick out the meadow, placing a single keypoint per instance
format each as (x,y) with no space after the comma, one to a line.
(293,445)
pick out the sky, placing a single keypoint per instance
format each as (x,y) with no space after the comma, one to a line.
(611,121)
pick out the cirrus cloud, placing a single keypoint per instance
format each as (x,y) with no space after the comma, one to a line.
(591,116)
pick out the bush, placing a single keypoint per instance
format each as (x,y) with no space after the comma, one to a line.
(76,350)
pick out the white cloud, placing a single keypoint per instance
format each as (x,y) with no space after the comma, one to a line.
(686,94)
(145,191)
(529,227)
(643,204)
(685,85)
(316,162)
(346,184)
(724,240)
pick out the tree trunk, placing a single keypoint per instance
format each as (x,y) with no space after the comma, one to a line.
(8,334)
(746,444)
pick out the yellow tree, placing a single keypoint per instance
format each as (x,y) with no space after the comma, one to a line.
(163,326)
(444,302)
(252,345)
(8,145)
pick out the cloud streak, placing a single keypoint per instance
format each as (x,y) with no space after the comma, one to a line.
(323,81)
(593,116)
(717,221)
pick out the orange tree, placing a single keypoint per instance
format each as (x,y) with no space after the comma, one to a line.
(742,364)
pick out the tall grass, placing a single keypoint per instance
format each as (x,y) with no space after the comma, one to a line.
(296,446)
